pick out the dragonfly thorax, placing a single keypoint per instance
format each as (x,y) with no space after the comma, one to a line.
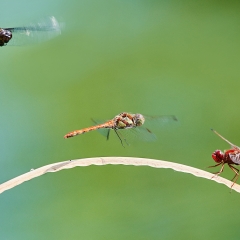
(127,120)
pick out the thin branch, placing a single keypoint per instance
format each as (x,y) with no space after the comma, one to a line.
(55,167)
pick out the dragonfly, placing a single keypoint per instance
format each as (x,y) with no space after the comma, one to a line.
(33,33)
(123,123)
(230,157)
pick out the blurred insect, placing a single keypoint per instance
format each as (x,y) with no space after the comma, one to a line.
(33,33)
(123,123)
(231,157)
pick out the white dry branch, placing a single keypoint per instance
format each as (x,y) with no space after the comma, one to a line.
(55,167)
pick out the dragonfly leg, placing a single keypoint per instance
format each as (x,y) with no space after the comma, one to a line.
(235,178)
(124,139)
(215,165)
(119,137)
(108,134)
(221,170)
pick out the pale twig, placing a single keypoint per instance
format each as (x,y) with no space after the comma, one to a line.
(114,161)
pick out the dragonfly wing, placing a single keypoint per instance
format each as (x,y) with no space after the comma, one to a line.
(103,131)
(160,120)
(129,135)
(44,30)
(144,134)
(136,134)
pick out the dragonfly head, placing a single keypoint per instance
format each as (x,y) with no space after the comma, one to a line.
(218,156)
(139,119)
(5,36)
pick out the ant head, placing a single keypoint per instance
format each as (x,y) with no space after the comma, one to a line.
(218,156)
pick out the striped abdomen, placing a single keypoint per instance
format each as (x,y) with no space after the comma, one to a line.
(108,124)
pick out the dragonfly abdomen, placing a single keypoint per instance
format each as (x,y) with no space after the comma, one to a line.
(235,157)
(108,124)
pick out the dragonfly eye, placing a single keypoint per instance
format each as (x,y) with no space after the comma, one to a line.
(5,36)
(218,156)
(139,119)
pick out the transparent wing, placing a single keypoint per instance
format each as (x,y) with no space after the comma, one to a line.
(103,131)
(143,133)
(136,134)
(159,121)
(35,33)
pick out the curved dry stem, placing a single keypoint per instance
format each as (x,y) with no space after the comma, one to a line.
(55,167)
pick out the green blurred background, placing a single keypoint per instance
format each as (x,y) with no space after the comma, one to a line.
(146,56)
